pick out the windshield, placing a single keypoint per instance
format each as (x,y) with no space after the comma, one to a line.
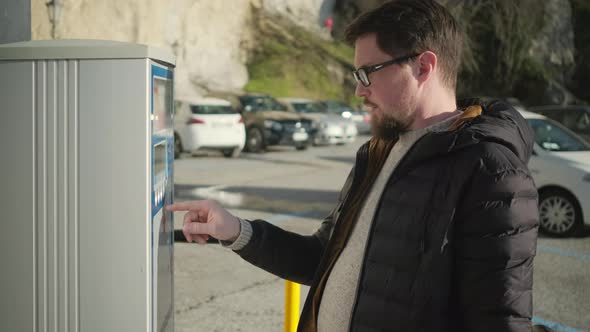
(553,137)
(261,103)
(337,107)
(308,108)
(212,109)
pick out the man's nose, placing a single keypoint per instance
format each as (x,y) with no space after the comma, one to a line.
(361,90)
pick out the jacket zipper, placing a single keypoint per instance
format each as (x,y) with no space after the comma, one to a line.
(360,164)
(362,272)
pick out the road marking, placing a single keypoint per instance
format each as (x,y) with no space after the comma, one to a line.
(217,193)
(555,326)
(555,250)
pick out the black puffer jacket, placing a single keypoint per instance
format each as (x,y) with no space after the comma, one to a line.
(452,244)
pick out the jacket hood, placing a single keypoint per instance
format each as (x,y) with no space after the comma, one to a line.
(498,122)
(494,121)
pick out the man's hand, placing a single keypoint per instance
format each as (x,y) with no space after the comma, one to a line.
(207,218)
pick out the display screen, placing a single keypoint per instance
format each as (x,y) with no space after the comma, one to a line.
(162,103)
(159,158)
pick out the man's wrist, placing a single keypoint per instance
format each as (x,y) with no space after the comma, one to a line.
(243,237)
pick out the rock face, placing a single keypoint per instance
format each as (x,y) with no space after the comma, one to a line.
(211,39)
(206,36)
(310,14)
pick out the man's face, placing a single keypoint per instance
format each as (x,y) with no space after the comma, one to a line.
(391,97)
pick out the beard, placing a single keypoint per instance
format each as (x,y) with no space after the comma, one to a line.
(388,127)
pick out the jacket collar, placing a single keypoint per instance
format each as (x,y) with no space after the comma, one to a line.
(495,121)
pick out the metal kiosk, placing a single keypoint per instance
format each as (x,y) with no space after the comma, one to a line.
(86,141)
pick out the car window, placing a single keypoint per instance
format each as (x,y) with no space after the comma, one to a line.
(337,107)
(261,103)
(308,107)
(212,109)
(276,106)
(553,137)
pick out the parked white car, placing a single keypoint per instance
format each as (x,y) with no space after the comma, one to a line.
(208,124)
(327,128)
(560,166)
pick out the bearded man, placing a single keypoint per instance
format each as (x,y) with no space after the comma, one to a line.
(436,226)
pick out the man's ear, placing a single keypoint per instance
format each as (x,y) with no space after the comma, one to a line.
(427,64)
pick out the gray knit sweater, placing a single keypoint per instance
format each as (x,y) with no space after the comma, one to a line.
(341,287)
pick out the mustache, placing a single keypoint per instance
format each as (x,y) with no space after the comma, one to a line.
(367,103)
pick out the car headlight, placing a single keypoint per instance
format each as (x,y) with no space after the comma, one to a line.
(274,125)
(586,177)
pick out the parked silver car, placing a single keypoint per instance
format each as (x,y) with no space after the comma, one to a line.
(362,119)
(327,128)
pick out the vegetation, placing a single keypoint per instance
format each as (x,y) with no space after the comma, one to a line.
(581,17)
(289,61)
(497,58)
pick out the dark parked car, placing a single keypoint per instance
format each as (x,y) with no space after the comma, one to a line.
(575,118)
(269,123)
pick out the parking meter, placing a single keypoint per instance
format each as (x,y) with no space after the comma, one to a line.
(87,168)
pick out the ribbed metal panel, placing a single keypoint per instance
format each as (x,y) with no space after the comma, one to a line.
(76,146)
(56,187)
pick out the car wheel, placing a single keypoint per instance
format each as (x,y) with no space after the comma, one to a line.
(177,146)
(254,140)
(315,141)
(301,146)
(231,153)
(559,213)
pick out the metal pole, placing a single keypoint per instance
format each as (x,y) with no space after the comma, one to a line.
(15,21)
(292,296)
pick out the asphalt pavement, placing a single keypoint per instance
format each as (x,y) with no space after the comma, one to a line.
(215,290)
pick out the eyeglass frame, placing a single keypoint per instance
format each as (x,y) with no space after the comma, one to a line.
(373,68)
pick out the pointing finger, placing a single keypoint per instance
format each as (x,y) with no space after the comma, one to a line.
(185,206)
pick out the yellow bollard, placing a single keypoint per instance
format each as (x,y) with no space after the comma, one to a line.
(292,296)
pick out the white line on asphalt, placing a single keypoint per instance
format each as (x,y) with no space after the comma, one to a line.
(217,193)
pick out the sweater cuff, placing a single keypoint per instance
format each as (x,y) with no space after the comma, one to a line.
(243,238)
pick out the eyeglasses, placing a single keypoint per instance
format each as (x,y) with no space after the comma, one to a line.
(362,74)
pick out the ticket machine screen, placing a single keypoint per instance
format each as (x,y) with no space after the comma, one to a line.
(162,104)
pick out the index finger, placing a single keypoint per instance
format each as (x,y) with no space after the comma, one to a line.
(185,206)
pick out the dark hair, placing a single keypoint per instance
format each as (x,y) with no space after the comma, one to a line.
(414,26)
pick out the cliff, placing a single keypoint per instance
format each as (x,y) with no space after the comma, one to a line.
(282,46)
(212,40)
